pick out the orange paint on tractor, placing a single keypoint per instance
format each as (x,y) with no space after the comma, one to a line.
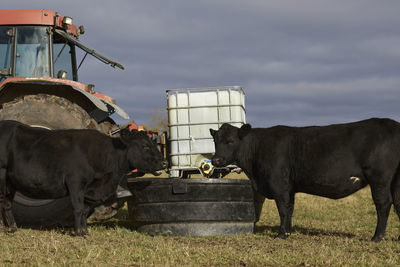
(133,126)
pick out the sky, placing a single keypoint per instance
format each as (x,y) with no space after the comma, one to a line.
(311,62)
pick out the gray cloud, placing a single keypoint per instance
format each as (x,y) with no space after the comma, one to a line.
(299,62)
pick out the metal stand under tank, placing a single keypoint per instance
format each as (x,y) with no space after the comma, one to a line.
(193,207)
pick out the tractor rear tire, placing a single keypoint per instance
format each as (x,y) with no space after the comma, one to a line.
(50,112)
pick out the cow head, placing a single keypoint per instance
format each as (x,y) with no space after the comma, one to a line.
(142,153)
(227,141)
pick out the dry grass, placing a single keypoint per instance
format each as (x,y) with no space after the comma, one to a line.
(326,233)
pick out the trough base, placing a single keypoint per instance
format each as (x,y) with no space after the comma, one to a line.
(198,228)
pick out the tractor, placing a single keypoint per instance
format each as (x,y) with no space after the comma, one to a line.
(39,86)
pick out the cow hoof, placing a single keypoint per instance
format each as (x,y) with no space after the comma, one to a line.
(11,230)
(378,238)
(283,236)
(81,234)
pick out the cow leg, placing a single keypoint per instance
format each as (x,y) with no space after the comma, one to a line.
(290,213)
(2,197)
(8,215)
(396,196)
(84,230)
(6,197)
(77,198)
(396,203)
(84,219)
(77,203)
(285,209)
(383,201)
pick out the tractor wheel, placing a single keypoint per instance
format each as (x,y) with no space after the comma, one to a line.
(50,112)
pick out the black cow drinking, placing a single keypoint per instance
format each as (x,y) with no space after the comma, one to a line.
(331,161)
(45,164)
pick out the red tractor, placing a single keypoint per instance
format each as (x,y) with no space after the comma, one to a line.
(39,86)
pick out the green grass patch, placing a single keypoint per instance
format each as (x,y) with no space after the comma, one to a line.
(326,233)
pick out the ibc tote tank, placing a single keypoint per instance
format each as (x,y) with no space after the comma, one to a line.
(191,113)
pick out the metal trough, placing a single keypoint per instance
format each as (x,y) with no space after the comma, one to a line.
(193,207)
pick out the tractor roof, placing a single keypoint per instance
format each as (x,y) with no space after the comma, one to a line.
(35,17)
(50,18)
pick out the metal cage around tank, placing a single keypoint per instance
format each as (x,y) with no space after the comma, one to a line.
(191,113)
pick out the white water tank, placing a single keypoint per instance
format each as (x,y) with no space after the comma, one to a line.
(191,113)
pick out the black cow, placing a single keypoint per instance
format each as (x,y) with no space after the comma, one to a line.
(331,161)
(84,164)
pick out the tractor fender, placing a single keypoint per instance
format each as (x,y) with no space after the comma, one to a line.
(119,111)
(98,108)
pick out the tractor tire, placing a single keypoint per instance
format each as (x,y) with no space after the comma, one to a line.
(50,112)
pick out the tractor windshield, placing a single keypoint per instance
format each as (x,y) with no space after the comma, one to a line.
(32,52)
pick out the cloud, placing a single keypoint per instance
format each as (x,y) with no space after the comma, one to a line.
(310,62)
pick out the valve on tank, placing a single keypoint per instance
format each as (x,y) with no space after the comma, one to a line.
(207,168)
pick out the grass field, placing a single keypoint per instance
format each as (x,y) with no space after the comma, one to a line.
(326,233)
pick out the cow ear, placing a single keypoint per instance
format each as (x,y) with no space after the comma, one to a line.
(125,135)
(212,132)
(244,130)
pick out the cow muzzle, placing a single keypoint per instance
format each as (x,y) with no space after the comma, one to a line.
(218,161)
(164,166)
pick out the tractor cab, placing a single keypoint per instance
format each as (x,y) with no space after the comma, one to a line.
(43,50)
